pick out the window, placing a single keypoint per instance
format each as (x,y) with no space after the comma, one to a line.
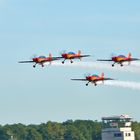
(127,134)
(117,135)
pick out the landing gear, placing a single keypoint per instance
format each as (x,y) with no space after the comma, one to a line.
(118,63)
(87,83)
(34,65)
(95,84)
(63,61)
(71,61)
(113,64)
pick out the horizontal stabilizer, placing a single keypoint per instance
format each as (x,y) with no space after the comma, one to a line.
(108,79)
(134,59)
(84,55)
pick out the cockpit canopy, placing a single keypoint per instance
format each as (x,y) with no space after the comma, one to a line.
(95,75)
(42,56)
(71,53)
(122,56)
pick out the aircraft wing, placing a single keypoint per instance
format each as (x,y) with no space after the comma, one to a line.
(104,60)
(25,61)
(79,79)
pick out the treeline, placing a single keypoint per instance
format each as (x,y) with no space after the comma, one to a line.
(69,130)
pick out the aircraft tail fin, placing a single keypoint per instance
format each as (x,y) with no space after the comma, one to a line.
(79,52)
(129,55)
(50,55)
(102,75)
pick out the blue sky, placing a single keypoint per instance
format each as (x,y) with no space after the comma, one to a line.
(39,27)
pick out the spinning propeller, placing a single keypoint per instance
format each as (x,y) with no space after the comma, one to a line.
(87,75)
(63,52)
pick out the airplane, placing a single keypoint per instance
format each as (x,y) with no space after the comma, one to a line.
(72,55)
(41,60)
(120,59)
(94,79)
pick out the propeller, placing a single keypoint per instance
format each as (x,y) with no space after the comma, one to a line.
(87,74)
(62,52)
(33,56)
(112,55)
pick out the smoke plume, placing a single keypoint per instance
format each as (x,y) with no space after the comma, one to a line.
(124,84)
(134,68)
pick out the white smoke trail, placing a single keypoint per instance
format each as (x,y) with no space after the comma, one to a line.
(136,64)
(101,65)
(123,84)
(134,68)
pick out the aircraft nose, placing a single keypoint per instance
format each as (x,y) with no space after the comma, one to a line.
(113,58)
(63,55)
(34,59)
(87,77)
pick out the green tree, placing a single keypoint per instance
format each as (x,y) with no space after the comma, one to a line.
(33,135)
(136,129)
(3,134)
(55,131)
(72,133)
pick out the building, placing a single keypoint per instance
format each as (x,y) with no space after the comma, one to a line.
(117,128)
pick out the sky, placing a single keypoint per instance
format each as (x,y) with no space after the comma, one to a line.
(39,27)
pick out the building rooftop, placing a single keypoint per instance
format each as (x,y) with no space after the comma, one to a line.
(121,117)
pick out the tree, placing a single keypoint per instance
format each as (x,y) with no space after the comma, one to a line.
(3,134)
(33,135)
(55,131)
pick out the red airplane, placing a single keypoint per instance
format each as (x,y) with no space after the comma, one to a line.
(120,59)
(41,60)
(72,55)
(94,79)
